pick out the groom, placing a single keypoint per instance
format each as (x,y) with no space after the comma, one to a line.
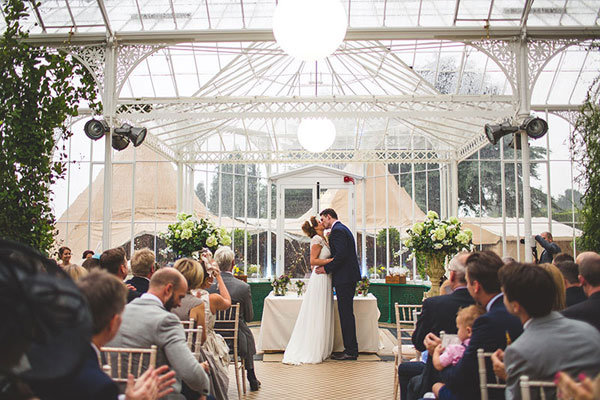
(345,273)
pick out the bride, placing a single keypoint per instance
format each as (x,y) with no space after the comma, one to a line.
(312,338)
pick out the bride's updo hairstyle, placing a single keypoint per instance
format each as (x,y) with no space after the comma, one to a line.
(309,227)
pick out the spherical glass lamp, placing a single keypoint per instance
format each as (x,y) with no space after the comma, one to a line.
(316,135)
(309,30)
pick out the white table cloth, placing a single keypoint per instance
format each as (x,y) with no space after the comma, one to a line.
(280,313)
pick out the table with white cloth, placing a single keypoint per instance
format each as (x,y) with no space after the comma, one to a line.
(280,313)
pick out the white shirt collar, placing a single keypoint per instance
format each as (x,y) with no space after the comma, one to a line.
(336,221)
(96,350)
(489,304)
(152,297)
(526,324)
(227,272)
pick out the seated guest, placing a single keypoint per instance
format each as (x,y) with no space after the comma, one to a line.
(574,291)
(240,294)
(75,271)
(114,261)
(105,296)
(490,331)
(148,321)
(550,342)
(438,314)
(589,276)
(560,302)
(91,263)
(560,257)
(193,308)
(142,267)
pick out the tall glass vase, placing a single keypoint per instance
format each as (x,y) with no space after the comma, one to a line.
(435,270)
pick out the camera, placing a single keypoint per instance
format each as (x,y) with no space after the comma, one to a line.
(522,241)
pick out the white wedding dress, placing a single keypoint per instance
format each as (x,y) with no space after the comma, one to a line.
(312,338)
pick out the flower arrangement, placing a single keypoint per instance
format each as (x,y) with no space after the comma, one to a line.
(377,272)
(189,235)
(280,285)
(398,271)
(254,269)
(362,287)
(300,287)
(237,271)
(438,236)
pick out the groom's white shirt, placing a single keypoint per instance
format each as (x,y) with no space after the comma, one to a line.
(336,221)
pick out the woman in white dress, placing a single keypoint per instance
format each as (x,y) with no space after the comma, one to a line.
(312,338)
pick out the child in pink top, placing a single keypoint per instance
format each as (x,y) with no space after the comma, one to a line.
(452,354)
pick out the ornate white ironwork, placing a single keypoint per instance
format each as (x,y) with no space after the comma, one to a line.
(568,115)
(160,147)
(129,56)
(305,157)
(540,52)
(503,52)
(94,58)
(471,147)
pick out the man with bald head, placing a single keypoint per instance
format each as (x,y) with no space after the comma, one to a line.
(148,321)
(589,276)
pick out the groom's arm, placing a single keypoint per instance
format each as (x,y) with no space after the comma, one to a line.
(339,242)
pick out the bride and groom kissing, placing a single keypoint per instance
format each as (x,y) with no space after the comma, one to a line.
(334,264)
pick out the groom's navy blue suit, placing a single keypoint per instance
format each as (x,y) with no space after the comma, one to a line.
(345,273)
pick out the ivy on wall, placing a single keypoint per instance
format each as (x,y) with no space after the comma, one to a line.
(40,89)
(585,143)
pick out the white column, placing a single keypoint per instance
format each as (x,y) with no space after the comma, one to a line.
(179,187)
(269,234)
(454,188)
(524,110)
(108,105)
(364,221)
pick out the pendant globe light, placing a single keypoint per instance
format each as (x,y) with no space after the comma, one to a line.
(309,30)
(316,134)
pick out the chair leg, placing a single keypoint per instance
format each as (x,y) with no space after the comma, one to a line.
(396,383)
(237,376)
(243,367)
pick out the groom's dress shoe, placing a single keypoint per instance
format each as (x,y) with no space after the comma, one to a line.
(343,356)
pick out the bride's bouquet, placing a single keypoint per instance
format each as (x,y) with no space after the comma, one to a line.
(190,235)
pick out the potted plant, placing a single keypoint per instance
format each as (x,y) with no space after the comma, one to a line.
(280,285)
(189,235)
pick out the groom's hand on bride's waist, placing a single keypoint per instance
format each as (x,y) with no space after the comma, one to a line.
(320,270)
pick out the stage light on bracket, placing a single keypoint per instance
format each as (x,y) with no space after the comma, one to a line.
(534,127)
(496,132)
(121,137)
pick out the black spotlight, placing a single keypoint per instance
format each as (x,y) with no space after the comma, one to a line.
(534,127)
(119,142)
(135,135)
(495,132)
(95,129)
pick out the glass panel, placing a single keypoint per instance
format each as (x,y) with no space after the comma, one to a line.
(122,192)
(297,202)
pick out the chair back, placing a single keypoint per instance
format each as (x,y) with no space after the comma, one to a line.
(193,337)
(542,387)
(483,361)
(190,324)
(124,361)
(227,325)
(406,320)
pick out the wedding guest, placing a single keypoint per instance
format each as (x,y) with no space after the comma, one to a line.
(560,302)
(491,331)
(64,257)
(75,271)
(213,302)
(240,294)
(574,291)
(148,321)
(194,308)
(575,346)
(550,248)
(91,263)
(87,254)
(451,355)
(589,276)
(438,314)
(114,261)
(142,267)
(585,389)
(561,257)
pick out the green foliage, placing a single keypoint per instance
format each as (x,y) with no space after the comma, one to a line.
(585,142)
(436,236)
(394,241)
(239,235)
(41,88)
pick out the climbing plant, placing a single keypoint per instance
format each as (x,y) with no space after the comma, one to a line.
(585,143)
(41,89)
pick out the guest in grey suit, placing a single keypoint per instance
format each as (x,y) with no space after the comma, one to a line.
(550,342)
(148,321)
(240,294)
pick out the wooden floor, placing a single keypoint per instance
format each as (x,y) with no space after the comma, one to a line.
(371,376)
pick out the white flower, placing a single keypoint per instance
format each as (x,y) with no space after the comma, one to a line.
(469,233)
(432,215)
(453,220)
(226,240)
(418,228)
(440,233)
(211,241)
(446,242)
(186,234)
(408,243)
(437,246)
(463,238)
(187,224)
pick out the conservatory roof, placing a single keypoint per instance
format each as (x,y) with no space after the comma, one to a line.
(411,82)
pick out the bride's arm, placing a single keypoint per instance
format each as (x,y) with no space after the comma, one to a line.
(315,250)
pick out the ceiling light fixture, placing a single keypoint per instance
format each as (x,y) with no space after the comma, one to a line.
(309,30)
(316,134)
